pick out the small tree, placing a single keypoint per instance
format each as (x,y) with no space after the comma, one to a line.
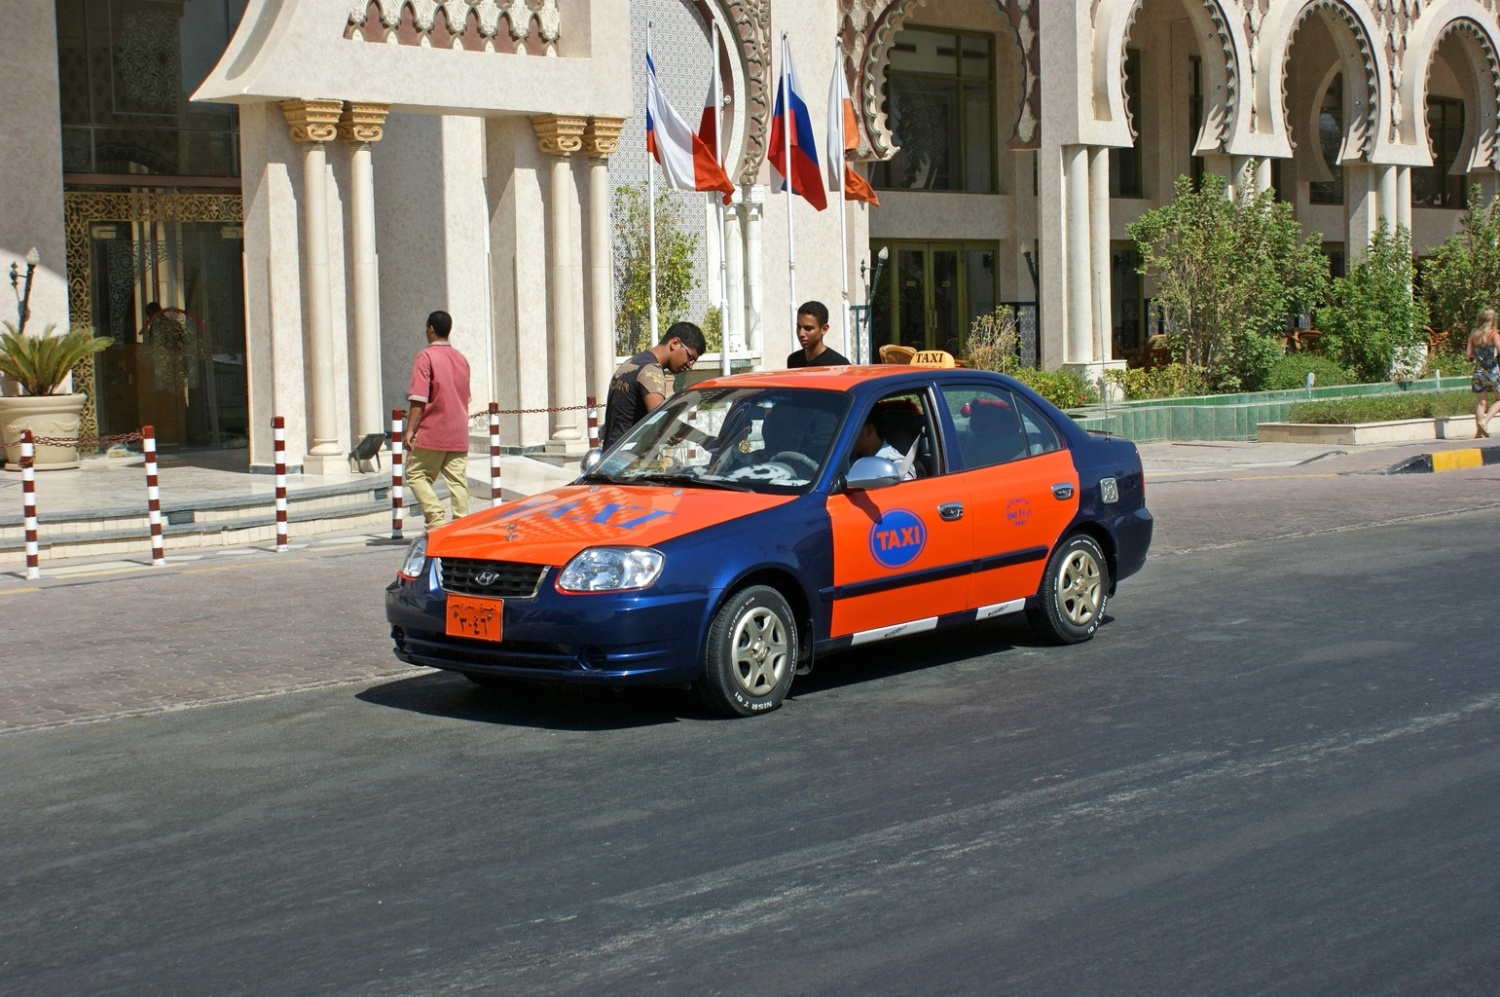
(994,342)
(676,252)
(1228,273)
(1463,275)
(1371,318)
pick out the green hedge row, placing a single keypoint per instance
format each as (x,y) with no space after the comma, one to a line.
(1383,408)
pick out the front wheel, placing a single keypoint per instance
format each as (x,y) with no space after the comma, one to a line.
(751,653)
(1075,588)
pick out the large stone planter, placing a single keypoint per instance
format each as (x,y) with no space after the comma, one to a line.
(54,416)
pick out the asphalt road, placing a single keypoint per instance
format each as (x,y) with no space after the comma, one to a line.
(1276,770)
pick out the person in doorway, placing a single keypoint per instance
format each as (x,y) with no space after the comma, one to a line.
(640,383)
(1484,349)
(438,424)
(812,326)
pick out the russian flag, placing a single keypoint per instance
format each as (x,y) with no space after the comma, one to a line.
(805,175)
(686,160)
(843,134)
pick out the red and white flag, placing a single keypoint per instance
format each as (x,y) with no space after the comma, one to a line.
(687,161)
(843,135)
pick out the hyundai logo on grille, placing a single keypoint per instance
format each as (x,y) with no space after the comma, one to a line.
(487,578)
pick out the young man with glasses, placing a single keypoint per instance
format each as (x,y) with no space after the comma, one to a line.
(640,383)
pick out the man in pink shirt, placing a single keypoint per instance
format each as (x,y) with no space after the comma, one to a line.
(437,432)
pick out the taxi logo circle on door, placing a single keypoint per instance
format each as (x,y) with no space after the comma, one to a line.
(897,538)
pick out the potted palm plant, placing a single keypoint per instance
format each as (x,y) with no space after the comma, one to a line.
(40,365)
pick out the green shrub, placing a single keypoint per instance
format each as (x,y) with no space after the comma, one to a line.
(1463,274)
(994,342)
(713,329)
(1228,271)
(1450,362)
(1173,380)
(1383,408)
(1063,388)
(1371,320)
(1291,372)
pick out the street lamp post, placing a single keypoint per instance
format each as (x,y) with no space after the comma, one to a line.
(863,347)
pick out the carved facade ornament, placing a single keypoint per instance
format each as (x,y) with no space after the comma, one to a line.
(312,120)
(749,43)
(532,26)
(559,134)
(601,139)
(869,27)
(362,122)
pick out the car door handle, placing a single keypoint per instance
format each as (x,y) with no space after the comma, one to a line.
(951,511)
(1062,492)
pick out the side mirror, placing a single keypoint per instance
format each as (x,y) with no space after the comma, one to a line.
(872,472)
(591,460)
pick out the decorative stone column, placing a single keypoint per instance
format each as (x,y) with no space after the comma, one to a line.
(755,209)
(561,135)
(732,325)
(601,139)
(1099,255)
(1079,340)
(314,122)
(363,124)
(1403,197)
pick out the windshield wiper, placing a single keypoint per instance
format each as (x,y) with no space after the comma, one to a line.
(595,478)
(663,478)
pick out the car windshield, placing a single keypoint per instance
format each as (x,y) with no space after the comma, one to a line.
(774,440)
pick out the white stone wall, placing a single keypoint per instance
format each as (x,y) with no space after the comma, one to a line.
(31,202)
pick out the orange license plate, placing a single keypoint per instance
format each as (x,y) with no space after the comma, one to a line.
(477,619)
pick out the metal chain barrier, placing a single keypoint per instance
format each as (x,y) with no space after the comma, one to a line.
(86,442)
(485,412)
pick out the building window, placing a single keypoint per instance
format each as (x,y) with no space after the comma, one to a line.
(1125,179)
(1195,118)
(1433,186)
(126,69)
(1330,141)
(940,95)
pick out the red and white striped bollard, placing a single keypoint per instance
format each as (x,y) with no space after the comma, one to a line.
(495,495)
(398,470)
(28,502)
(593,424)
(153,496)
(278,438)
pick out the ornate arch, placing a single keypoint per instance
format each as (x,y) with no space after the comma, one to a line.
(1476,30)
(1271,39)
(1112,31)
(868,29)
(746,29)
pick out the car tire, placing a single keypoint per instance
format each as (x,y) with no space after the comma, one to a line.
(751,653)
(1074,592)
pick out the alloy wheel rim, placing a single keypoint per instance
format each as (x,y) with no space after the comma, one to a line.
(760,651)
(1078,588)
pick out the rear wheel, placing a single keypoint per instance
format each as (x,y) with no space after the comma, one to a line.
(751,653)
(1075,588)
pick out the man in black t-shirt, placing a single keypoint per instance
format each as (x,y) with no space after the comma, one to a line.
(640,383)
(812,326)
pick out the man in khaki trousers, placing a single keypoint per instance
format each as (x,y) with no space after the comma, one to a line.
(438,423)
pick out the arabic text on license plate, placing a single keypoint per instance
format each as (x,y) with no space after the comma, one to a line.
(477,619)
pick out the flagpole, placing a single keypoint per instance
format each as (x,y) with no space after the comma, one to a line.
(719,146)
(787,124)
(651,207)
(837,155)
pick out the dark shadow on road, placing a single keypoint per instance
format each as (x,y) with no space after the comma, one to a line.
(544,705)
(565,706)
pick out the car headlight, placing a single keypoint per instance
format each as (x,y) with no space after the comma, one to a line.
(416,559)
(611,569)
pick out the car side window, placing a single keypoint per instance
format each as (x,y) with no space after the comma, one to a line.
(1041,435)
(903,426)
(989,425)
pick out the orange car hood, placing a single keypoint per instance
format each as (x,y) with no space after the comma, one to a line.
(551,527)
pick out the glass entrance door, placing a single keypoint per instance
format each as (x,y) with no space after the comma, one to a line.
(168,291)
(932,294)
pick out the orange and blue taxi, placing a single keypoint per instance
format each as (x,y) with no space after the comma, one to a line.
(743,529)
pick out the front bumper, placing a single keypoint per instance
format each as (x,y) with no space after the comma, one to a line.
(606,638)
